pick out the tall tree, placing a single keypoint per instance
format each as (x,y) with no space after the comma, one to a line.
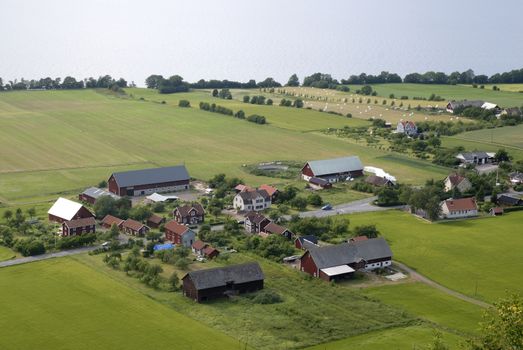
(293,80)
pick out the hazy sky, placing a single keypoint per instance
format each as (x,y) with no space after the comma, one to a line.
(239,40)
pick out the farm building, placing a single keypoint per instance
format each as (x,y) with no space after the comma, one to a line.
(333,170)
(407,127)
(477,158)
(306,242)
(274,229)
(148,181)
(317,183)
(255,222)
(154,221)
(108,221)
(379,181)
(78,226)
(179,234)
(459,208)
(91,194)
(189,214)
(341,261)
(160,198)
(133,227)
(507,200)
(457,181)
(496,211)
(225,281)
(65,210)
(453,105)
(252,200)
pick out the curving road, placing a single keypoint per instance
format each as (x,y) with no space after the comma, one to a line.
(63,253)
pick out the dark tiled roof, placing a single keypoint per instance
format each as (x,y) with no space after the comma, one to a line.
(274,228)
(151,176)
(220,276)
(318,181)
(508,200)
(184,210)
(472,155)
(377,180)
(309,238)
(345,253)
(156,219)
(90,221)
(465,103)
(249,196)
(455,179)
(255,217)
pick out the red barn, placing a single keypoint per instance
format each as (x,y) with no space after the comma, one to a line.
(179,234)
(155,221)
(78,226)
(148,181)
(66,210)
(134,227)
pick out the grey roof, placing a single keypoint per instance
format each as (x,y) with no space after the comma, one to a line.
(509,200)
(249,196)
(465,103)
(151,176)
(349,253)
(310,238)
(318,181)
(472,155)
(96,192)
(335,165)
(220,276)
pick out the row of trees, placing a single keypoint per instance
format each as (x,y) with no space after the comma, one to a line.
(68,83)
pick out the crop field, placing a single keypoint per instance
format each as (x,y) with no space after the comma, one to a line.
(413,337)
(508,136)
(507,87)
(63,304)
(59,142)
(459,254)
(342,102)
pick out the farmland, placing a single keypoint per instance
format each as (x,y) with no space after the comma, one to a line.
(457,254)
(6,253)
(59,142)
(90,311)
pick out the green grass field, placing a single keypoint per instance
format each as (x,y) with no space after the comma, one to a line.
(408,338)
(63,304)
(59,142)
(451,92)
(480,258)
(6,253)
(444,310)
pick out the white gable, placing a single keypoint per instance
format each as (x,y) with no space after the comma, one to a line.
(64,208)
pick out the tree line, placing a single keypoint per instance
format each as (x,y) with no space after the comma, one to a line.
(68,83)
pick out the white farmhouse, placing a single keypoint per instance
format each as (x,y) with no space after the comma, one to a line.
(256,200)
(459,208)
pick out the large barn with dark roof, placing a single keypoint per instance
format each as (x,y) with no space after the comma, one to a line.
(148,181)
(203,285)
(333,170)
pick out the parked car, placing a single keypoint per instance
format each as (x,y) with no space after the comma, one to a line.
(326,207)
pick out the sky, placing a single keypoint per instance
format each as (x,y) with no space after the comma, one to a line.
(242,40)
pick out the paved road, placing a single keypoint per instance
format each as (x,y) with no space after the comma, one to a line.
(46,256)
(418,277)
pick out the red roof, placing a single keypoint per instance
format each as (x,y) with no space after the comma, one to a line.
(156,219)
(177,228)
(209,251)
(133,224)
(198,245)
(461,204)
(274,228)
(90,221)
(242,188)
(455,179)
(270,190)
(110,220)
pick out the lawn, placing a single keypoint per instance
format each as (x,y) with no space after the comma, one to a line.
(56,142)
(280,325)
(6,253)
(444,310)
(63,304)
(480,257)
(408,338)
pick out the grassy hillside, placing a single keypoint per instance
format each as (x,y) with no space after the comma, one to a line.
(6,253)
(63,304)
(480,258)
(55,142)
(451,92)
(510,137)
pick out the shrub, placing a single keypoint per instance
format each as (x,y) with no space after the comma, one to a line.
(255,118)
(184,103)
(266,297)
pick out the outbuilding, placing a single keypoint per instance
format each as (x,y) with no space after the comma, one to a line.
(79,226)
(148,181)
(92,194)
(208,284)
(333,170)
(134,227)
